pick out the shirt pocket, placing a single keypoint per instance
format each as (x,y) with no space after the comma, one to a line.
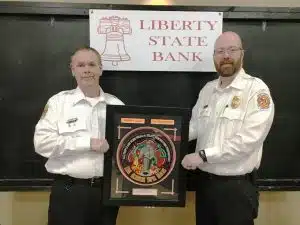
(72,126)
(231,120)
(203,119)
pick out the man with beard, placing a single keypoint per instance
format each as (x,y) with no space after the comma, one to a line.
(71,134)
(231,119)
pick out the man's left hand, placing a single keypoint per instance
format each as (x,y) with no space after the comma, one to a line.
(191,161)
(99,145)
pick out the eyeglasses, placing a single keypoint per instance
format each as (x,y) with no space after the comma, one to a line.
(230,51)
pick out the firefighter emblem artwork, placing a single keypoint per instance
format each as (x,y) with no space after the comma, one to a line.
(146,156)
(143,164)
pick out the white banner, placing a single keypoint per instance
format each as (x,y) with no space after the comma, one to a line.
(155,40)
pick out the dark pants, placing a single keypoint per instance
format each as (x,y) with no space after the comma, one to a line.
(224,200)
(78,202)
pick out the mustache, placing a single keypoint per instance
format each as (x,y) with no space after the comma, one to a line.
(226,62)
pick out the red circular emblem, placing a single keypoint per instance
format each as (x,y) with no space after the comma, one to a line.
(146,156)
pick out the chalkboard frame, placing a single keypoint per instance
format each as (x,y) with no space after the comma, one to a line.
(82,10)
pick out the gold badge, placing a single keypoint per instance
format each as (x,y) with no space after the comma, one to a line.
(236,101)
(45,111)
(263,101)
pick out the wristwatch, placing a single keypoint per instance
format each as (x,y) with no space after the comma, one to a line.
(202,155)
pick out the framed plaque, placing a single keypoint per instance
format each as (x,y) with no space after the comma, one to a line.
(143,165)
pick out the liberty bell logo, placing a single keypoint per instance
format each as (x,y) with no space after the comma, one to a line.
(114,27)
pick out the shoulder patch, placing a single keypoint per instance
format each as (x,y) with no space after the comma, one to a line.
(263,101)
(45,111)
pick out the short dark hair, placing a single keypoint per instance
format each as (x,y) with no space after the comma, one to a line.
(87,48)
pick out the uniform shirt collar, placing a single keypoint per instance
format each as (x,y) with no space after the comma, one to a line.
(237,83)
(79,96)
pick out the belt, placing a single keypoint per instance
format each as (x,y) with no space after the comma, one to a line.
(92,182)
(210,176)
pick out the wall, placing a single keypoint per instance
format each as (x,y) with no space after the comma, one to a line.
(30,208)
(276,208)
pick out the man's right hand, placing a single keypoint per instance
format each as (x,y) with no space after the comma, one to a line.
(99,145)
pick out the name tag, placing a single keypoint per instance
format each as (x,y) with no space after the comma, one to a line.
(71,122)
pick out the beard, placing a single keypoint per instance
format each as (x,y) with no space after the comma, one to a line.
(228,67)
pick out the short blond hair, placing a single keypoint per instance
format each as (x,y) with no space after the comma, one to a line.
(87,48)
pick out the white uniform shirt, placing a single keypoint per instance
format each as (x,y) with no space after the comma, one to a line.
(63,133)
(231,124)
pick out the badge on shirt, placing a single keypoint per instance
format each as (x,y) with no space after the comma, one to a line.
(235,102)
(263,101)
